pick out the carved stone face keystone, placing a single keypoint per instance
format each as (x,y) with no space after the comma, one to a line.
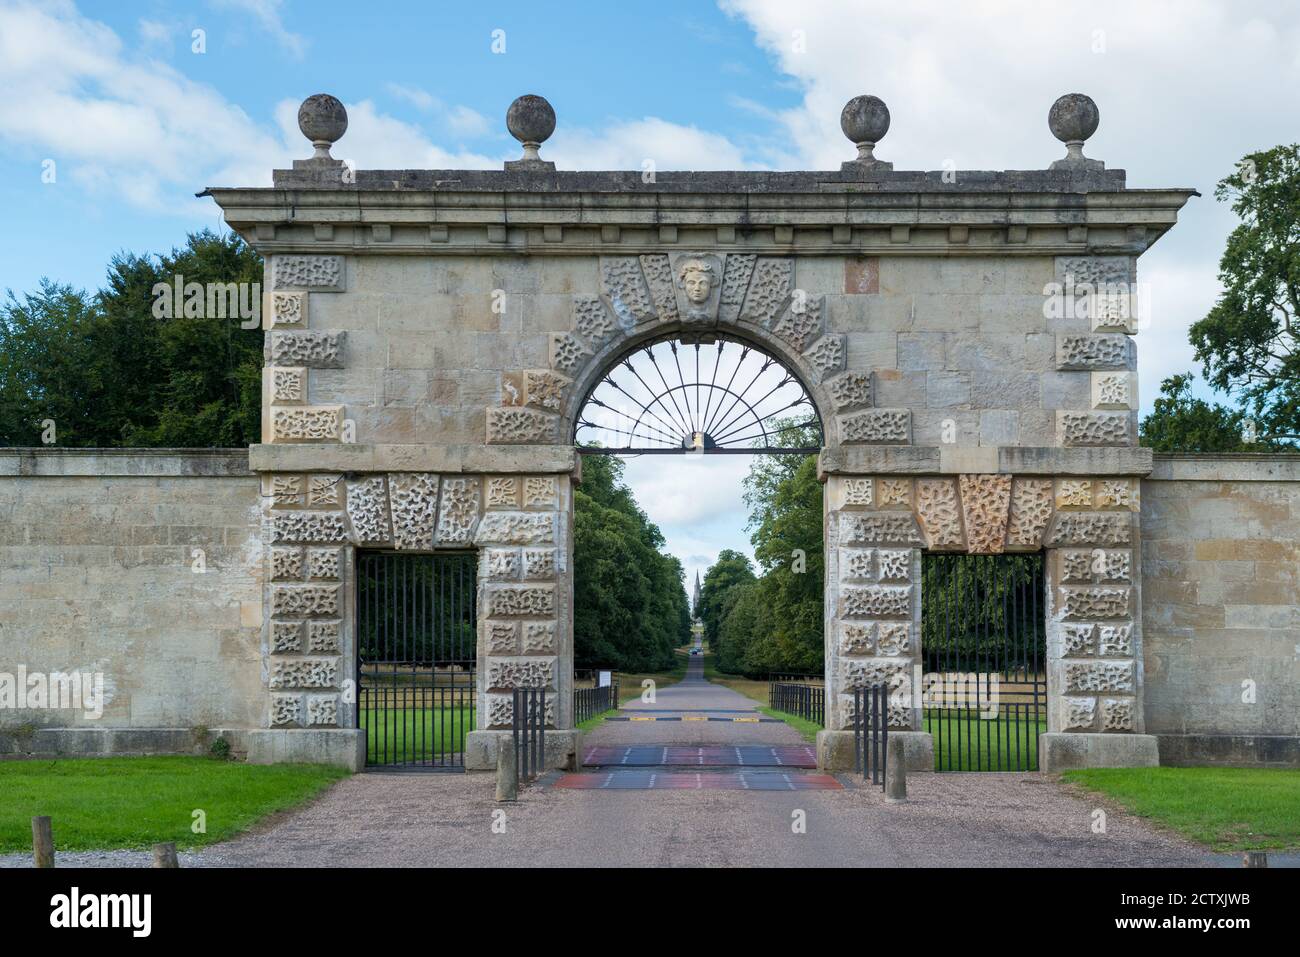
(697,280)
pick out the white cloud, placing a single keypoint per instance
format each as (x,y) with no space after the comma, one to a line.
(267,15)
(631,144)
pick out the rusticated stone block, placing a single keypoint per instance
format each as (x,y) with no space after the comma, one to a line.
(876,427)
(1098,676)
(367,505)
(592,320)
(539,638)
(517,528)
(511,425)
(311,350)
(897,528)
(322,528)
(504,674)
(1093,603)
(938,510)
(1031,510)
(1091,528)
(544,389)
(769,289)
(1094,351)
(1093,428)
(877,601)
(658,273)
(414,497)
(851,390)
(985,502)
(622,281)
(459,509)
(568,353)
(857,564)
(802,321)
(736,271)
(1080,713)
(828,354)
(319,273)
(513,601)
(305,601)
(322,423)
(304,673)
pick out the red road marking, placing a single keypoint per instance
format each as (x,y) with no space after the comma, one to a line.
(656,780)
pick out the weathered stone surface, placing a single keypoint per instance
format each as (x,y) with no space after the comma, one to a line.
(307,424)
(898,528)
(414,501)
(504,674)
(877,427)
(516,528)
(367,506)
(1096,602)
(512,425)
(544,389)
(568,353)
(305,601)
(592,320)
(458,510)
(1091,528)
(857,491)
(1074,493)
(308,527)
(852,390)
(1031,510)
(828,354)
(288,308)
(624,285)
(313,350)
(735,280)
(658,272)
(1100,351)
(1098,676)
(986,502)
(1094,428)
(511,601)
(769,290)
(323,273)
(938,510)
(801,322)
(877,601)
(304,673)
(288,385)
(857,564)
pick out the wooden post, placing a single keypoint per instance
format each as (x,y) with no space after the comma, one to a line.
(42,842)
(895,771)
(1254,859)
(164,855)
(507,772)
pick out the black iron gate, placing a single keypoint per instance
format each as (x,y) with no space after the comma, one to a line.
(416,648)
(984,639)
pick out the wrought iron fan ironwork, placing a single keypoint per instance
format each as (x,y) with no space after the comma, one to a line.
(702,395)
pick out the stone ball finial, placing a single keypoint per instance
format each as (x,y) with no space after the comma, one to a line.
(865,121)
(1073,118)
(530,120)
(323,120)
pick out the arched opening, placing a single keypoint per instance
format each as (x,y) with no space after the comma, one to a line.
(698,394)
(741,432)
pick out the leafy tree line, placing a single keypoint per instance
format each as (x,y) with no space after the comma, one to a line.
(107,372)
(629,597)
(772,621)
(1247,343)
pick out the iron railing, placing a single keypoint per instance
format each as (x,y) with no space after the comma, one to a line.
(589,702)
(807,701)
(416,656)
(871,732)
(528,729)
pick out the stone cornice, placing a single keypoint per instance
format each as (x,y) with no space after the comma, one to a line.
(123,462)
(1006,214)
(1227,467)
(498,459)
(956,460)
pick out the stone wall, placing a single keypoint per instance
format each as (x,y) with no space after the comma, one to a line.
(143,566)
(1221,610)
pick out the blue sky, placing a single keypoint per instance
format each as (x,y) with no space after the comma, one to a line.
(136,122)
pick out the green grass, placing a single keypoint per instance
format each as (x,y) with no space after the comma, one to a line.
(978,745)
(415,734)
(1228,809)
(107,803)
(595,720)
(807,729)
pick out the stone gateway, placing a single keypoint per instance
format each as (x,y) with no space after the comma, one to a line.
(967,340)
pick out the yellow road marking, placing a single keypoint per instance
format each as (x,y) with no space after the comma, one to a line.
(746,720)
(693,717)
(634,718)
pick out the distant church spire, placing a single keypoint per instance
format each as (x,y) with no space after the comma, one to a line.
(695,604)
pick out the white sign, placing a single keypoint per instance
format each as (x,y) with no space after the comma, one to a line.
(605,677)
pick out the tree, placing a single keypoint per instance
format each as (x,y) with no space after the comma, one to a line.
(108,372)
(630,607)
(1248,341)
(730,570)
(1180,422)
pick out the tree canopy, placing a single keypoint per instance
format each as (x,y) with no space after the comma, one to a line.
(107,372)
(1247,342)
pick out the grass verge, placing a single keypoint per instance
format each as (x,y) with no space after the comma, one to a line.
(110,803)
(1228,809)
(415,734)
(807,729)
